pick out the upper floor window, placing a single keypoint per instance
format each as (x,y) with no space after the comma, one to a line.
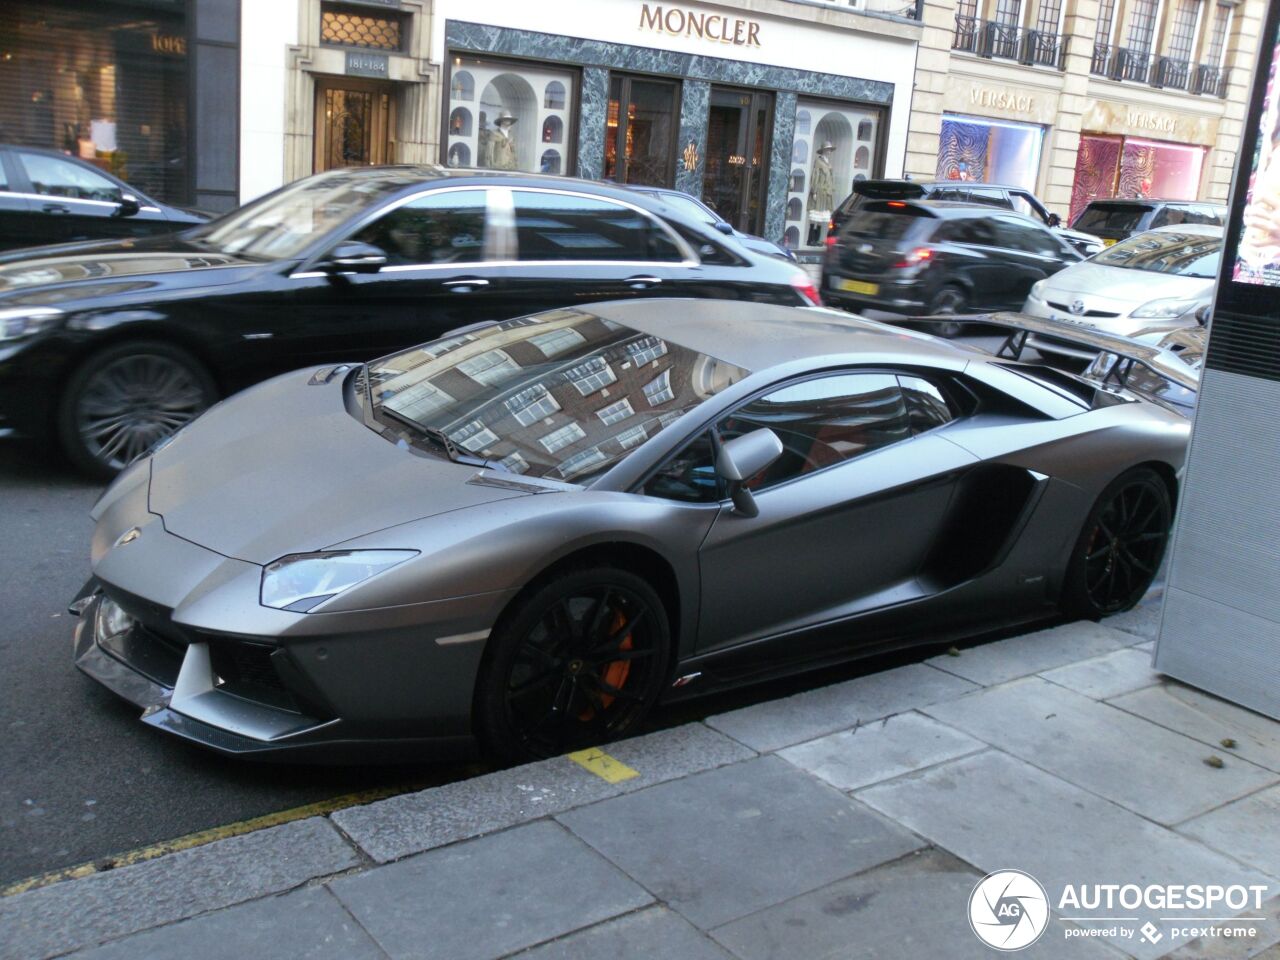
(357,26)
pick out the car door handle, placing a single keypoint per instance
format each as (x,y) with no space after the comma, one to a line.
(465,285)
(640,283)
(55,208)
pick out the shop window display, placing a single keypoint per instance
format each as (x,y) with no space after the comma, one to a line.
(518,108)
(989,151)
(833,149)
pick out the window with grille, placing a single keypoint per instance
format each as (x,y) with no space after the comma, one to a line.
(1008,12)
(562,437)
(658,390)
(591,376)
(490,367)
(1049,17)
(1142,27)
(421,400)
(645,350)
(581,461)
(1183,35)
(1218,38)
(514,463)
(1106,13)
(967,8)
(531,405)
(474,436)
(633,436)
(615,411)
(556,342)
(355,27)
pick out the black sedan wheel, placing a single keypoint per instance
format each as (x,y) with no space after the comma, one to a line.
(1121,546)
(947,302)
(123,401)
(580,662)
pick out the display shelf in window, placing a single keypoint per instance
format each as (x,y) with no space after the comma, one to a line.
(833,149)
(515,109)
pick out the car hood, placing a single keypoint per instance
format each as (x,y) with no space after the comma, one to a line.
(284,468)
(54,275)
(1123,285)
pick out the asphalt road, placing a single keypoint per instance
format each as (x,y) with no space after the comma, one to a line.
(83,779)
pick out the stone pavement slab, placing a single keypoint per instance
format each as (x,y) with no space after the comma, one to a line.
(718,845)
(1264,945)
(913,907)
(996,812)
(1031,653)
(412,822)
(1152,771)
(653,933)
(1248,829)
(1107,676)
(485,898)
(1143,621)
(307,924)
(795,719)
(880,750)
(1204,717)
(65,916)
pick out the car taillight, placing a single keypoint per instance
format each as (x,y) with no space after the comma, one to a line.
(917,256)
(808,292)
(831,233)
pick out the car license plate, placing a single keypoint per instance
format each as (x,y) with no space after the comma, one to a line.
(859,286)
(1107,243)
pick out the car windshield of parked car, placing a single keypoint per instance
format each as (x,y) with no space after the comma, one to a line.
(1111,217)
(563,395)
(1171,252)
(282,225)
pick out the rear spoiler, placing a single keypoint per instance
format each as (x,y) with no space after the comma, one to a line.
(1131,358)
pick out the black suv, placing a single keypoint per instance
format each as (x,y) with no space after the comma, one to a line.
(48,197)
(114,346)
(1115,220)
(1018,199)
(932,257)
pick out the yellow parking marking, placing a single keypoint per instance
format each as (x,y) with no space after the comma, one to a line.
(200,838)
(602,765)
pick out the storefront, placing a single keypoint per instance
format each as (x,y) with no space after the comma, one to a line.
(990,151)
(116,84)
(724,105)
(1133,153)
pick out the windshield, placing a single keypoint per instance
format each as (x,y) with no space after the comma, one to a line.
(1166,251)
(689,206)
(1110,217)
(564,394)
(283,224)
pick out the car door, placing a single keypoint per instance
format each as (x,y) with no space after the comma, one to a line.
(979,263)
(846,515)
(1030,253)
(73,201)
(15,208)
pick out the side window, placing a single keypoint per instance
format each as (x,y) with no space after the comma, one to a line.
(561,226)
(4,177)
(56,177)
(1026,237)
(950,194)
(976,231)
(1170,216)
(991,198)
(1203,215)
(445,227)
(689,476)
(926,406)
(824,421)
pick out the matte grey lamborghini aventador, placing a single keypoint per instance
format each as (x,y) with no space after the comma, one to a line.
(530,532)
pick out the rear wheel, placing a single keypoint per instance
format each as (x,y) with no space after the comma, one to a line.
(124,400)
(1121,546)
(947,302)
(579,662)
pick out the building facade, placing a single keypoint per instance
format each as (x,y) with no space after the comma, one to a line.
(768,110)
(1083,99)
(145,89)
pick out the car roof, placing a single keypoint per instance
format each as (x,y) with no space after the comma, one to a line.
(758,336)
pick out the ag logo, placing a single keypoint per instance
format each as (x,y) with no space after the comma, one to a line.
(1008,910)
(1077,307)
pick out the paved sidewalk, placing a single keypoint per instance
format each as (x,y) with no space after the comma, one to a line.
(851,821)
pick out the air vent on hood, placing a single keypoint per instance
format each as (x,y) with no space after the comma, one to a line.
(326,374)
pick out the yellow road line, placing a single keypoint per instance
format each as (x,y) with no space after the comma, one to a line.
(602,765)
(317,809)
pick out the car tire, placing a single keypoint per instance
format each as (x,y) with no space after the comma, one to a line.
(1120,547)
(947,302)
(123,400)
(580,660)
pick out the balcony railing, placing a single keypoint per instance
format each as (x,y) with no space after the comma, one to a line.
(1122,63)
(999,41)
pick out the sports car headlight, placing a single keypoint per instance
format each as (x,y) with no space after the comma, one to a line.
(109,620)
(1165,309)
(19,322)
(302,580)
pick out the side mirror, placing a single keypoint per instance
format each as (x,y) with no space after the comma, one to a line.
(353,256)
(1054,220)
(725,228)
(1204,314)
(742,458)
(128,206)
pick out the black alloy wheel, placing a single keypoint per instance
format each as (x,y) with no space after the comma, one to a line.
(1121,546)
(123,401)
(947,302)
(579,663)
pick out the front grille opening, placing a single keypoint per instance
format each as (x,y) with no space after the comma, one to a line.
(245,670)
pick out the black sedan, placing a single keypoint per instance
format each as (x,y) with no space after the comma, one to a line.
(696,208)
(933,257)
(48,197)
(112,348)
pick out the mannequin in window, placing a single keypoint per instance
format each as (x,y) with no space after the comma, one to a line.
(822,184)
(502,143)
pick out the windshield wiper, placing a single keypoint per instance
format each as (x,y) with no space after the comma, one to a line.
(441,439)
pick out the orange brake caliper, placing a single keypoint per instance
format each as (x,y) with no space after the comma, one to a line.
(615,673)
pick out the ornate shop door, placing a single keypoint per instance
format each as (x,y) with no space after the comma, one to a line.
(354,120)
(736,175)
